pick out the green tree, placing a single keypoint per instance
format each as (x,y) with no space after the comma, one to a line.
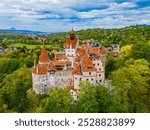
(19,98)
(59,101)
(52,56)
(131,87)
(140,50)
(110,65)
(87,98)
(36,102)
(103,98)
(29,61)
(115,106)
(9,65)
(10,86)
(125,50)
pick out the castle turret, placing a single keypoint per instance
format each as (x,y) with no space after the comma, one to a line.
(72,34)
(44,57)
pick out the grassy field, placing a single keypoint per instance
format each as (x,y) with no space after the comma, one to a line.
(35,46)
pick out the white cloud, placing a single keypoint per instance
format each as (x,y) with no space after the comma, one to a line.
(61,15)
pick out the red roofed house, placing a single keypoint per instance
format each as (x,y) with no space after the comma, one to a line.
(76,64)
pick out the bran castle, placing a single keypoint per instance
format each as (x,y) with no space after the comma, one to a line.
(69,68)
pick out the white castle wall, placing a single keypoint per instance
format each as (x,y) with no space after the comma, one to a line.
(77,80)
(62,78)
(90,76)
(70,52)
(40,84)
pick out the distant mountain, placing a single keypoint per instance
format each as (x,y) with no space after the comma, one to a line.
(13,30)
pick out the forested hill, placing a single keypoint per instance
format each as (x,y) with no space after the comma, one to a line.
(127,87)
(122,36)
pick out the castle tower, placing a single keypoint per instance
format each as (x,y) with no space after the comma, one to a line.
(72,34)
(44,57)
(39,73)
(71,46)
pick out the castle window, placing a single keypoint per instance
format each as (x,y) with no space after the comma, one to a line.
(99,68)
(91,79)
(100,81)
(98,64)
(89,73)
(87,79)
(99,75)
(80,79)
(76,78)
(94,64)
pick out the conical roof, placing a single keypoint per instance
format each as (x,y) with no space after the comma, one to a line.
(44,55)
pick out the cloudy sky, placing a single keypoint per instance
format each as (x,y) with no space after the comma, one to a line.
(62,15)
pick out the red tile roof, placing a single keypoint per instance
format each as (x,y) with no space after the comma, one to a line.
(44,55)
(39,69)
(95,51)
(72,32)
(77,59)
(57,63)
(80,51)
(71,42)
(52,68)
(77,69)
(87,61)
(88,65)
(60,56)
(103,50)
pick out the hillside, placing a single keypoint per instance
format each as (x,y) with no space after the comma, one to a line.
(123,36)
(127,88)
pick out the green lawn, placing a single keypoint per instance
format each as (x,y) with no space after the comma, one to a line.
(35,46)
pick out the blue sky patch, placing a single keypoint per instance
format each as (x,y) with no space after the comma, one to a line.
(61,15)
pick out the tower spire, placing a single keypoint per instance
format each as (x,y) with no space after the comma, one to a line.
(72,29)
(72,32)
